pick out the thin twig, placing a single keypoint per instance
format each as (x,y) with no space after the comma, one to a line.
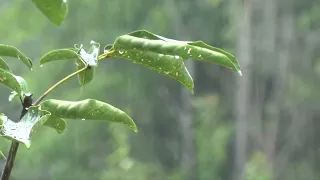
(57,84)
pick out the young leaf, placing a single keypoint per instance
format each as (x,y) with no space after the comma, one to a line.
(59,54)
(4,65)
(86,76)
(89,109)
(10,51)
(56,123)
(21,131)
(90,58)
(13,82)
(55,10)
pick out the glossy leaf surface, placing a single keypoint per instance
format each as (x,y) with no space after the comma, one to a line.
(88,109)
(55,10)
(21,131)
(10,51)
(56,123)
(13,82)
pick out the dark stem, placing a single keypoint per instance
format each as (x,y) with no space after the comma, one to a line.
(27,102)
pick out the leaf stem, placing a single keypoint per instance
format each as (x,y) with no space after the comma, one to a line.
(105,55)
(57,84)
(26,103)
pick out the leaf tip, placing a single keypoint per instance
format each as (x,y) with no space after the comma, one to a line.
(239,72)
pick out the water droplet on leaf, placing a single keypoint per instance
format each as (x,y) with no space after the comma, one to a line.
(177,57)
(240,73)
(83,119)
(121,52)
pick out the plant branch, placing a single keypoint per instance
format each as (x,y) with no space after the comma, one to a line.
(57,84)
(26,103)
(14,144)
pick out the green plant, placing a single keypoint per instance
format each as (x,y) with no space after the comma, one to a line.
(155,52)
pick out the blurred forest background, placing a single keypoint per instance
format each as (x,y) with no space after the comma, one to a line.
(261,126)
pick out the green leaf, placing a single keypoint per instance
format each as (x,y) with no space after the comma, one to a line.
(172,66)
(21,131)
(197,50)
(186,49)
(56,123)
(13,82)
(90,58)
(55,10)
(86,76)
(10,51)
(60,54)
(4,65)
(89,109)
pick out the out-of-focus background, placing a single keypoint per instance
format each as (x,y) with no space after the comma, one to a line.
(262,126)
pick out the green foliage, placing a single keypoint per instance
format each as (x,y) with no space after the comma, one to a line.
(155,52)
(10,51)
(21,131)
(16,83)
(55,10)
(167,56)
(56,123)
(89,109)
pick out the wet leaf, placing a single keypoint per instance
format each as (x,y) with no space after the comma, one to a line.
(55,10)
(10,51)
(13,82)
(88,109)
(60,54)
(172,66)
(56,123)
(21,131)
(4,65)
(90,58)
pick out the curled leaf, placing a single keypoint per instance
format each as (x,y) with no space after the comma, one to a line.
(91,59)
(21,130)
(13,82)
(88,109)
(56,123)
(4,65)
(10,51)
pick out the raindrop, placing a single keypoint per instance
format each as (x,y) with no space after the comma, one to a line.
(177,57)
(142,60)
(240,73)
(41,65)
(160,68)
(200,56)
(83,119)
(189,50)
(177,73)
(166,72)
(121,52)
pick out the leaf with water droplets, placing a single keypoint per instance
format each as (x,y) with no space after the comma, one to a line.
(58,124)
(55,10)
(13,82)
(145,41)
(60,54)
(159,53)
(10,51)
(88,109)
(172,66)
(20,131)
(4,65)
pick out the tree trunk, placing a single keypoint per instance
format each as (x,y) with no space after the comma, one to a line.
(188,154)
(244,54)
